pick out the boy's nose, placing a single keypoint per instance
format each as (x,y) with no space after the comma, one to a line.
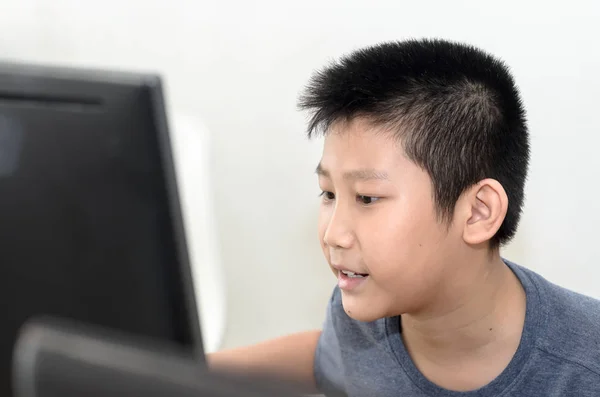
(338,233)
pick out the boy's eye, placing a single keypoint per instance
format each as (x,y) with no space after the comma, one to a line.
(366,199)
(327,195)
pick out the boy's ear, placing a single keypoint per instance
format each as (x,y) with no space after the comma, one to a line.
(485,204)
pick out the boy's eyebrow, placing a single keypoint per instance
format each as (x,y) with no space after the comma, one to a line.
(363,174)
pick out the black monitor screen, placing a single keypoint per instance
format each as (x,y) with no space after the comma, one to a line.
(90,226)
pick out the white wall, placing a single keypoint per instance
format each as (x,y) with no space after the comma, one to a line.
(239,67)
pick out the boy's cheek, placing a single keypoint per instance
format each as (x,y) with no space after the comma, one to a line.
(399,279)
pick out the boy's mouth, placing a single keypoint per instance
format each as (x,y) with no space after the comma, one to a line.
(353,275)
(348,280)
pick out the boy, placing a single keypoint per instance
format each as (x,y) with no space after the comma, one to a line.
(423,171)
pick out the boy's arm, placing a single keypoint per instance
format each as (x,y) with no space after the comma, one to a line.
(289,357)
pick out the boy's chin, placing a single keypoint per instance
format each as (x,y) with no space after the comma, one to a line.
(362,309)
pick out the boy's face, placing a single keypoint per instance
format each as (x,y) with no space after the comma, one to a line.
(378,219)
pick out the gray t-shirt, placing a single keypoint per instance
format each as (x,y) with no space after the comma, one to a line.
(559,353)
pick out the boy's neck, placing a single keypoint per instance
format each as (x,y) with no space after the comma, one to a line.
(480,319)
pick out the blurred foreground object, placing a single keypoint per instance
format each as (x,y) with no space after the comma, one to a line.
(191,141)
(59,359)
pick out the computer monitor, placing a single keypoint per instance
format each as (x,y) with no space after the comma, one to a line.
(90,221)
(65,359)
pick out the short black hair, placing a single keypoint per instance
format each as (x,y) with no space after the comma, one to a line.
(456,108)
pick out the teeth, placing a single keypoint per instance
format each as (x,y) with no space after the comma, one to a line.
(351,274)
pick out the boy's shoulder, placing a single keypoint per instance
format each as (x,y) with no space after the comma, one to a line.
(569,322)
(560,347)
